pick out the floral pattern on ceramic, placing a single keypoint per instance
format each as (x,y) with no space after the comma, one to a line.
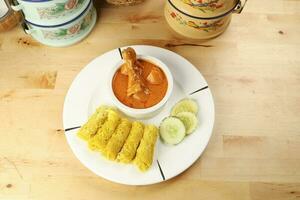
(204,5)
(59,10)
(201,26)
(67,33)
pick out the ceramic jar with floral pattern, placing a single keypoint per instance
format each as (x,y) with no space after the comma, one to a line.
(49,12)
(67,33)
(201,19)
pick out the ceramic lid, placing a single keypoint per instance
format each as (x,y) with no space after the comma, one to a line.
(36,1)
(204,8)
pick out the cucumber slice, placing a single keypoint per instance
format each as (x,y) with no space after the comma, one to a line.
(189,120)
(185,105)
(172,130)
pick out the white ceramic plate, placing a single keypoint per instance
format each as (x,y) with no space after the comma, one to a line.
(90,89)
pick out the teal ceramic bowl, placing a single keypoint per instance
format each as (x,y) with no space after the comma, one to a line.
(50,12)
(67,33)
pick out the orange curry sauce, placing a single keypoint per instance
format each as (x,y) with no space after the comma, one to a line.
(156,91)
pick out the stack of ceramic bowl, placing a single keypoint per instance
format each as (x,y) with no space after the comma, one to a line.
(201,19)
(58,22)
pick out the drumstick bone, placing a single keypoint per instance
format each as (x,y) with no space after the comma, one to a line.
(136,86)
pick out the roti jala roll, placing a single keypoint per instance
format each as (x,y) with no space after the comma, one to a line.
(99,141)
(129,149)
(118,139)
(90,128)
(144,154)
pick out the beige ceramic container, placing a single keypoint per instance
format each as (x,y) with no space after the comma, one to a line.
(201,19)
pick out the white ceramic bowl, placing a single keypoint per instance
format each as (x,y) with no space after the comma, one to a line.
(146,112)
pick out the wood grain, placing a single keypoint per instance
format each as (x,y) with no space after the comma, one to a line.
(253,70)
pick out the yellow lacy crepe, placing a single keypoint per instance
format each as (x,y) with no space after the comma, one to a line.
(129,149)
(144,154)
(99,141)
(89,129)
(120,139)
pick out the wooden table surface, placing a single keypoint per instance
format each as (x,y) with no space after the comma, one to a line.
(253,70)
